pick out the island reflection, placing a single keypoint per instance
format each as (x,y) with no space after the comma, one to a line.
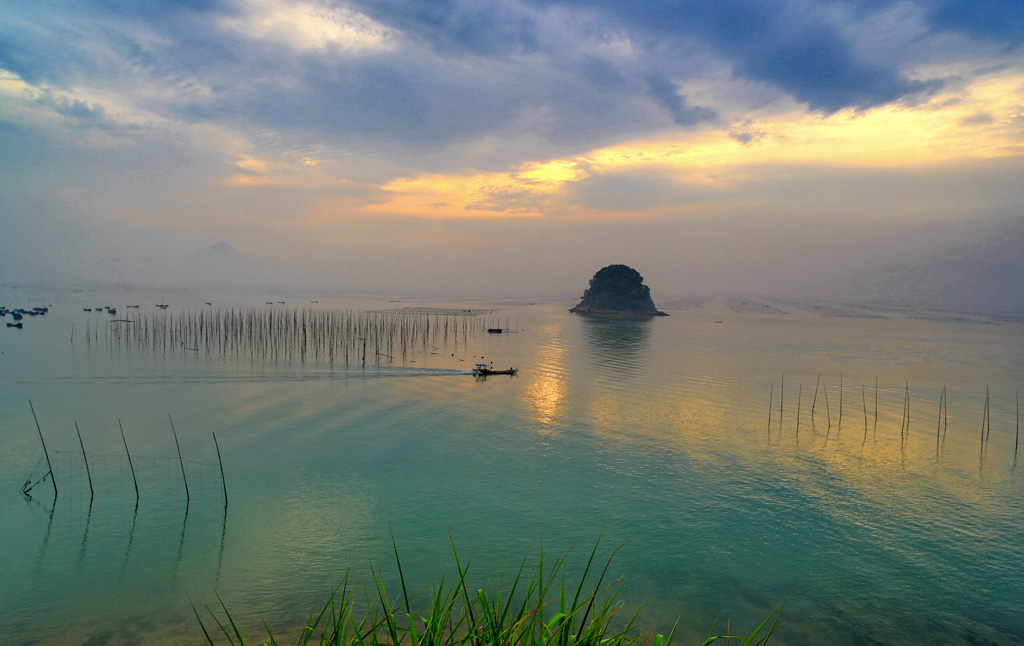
(616,344)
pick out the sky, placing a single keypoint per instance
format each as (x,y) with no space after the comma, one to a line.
(504,147)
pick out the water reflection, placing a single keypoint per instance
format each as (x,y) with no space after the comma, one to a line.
(660,431)
(85,537)
(131,539)
(181,547)
(546,388)
(617,344)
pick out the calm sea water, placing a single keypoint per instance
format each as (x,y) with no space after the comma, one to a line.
(655,433)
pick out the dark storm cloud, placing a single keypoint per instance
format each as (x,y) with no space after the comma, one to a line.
(461,68)
(998,20)
(789,45)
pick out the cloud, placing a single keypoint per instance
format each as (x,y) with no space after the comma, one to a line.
(432,75)
(666,94)
(308,25)
(290,125)
(746,137)
(996,20)
(452,27)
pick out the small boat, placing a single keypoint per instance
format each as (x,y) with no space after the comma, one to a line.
(484,370)
(495,330)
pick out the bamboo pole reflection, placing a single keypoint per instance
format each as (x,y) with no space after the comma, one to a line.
(131,539)
(181,547)
(220,554)
(85,536)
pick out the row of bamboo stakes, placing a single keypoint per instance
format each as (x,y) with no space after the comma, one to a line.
(331,336)
(943,415)
(26,488)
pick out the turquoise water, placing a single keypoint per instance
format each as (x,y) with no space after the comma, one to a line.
(654,432)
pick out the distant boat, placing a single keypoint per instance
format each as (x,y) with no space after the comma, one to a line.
(495,330)
(483,370)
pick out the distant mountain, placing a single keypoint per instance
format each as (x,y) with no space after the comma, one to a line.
(218,251)
(986,273)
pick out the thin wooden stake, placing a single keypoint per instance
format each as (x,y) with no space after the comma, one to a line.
(908,409)
(799,394)
(984,416)
(864,404)
(828,410)
(988,417)
(903,420)
(874,430)
(45,452)
(839,427)
(771,401)
(782,394)
(129,460)
(180,461)
(815,400)
(92,493)
(945,412)
(222,480)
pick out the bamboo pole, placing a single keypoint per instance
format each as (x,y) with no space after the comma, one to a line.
(180,460)
(92,493)
(903,419)
(828,409)
(907,410)
(815,399)
(129,461)
(874,429)
(984,419)
(771,400)
(988,417)
(864,404)
(221,462)
(839,426)
(799,394)
(45,452)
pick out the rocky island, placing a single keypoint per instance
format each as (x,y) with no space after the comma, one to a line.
(617,291)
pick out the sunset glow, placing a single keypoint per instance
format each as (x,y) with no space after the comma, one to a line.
(535,126)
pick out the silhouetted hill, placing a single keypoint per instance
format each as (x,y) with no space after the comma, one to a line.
(617,290)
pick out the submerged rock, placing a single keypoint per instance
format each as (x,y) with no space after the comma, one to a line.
(617,290)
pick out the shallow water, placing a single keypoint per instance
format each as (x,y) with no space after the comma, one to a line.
(655,432)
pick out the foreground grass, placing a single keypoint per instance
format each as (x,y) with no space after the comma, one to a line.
(514,609)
